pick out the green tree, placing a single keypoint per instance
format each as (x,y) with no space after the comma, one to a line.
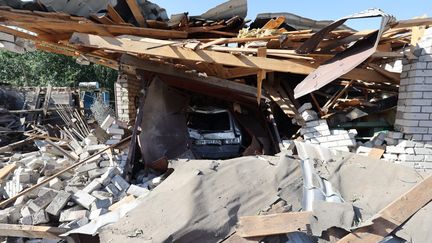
(42,68)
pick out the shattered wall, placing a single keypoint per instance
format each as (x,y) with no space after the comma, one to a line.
(126,92)
(414,110)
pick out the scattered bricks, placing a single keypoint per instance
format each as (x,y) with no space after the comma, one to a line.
(101,195)
(120,183)
(104,203)
(309,115)
(111,188)
(93,185)
(70,215)
(109,120)
(90,140)
(105,179)
(115,131)
(95,148)
(56,184)
(43,201)
(94,214)
(84,199)
(58,203)
(424,151)
(14,214)
(27,220)
(40,217)
(4,217)
(97,172)
(137,191)
(26,211)
(304,107)
(112,141)
(104,163)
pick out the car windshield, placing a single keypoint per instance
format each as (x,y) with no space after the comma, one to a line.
(209,122)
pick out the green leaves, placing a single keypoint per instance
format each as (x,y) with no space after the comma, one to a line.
(43,68)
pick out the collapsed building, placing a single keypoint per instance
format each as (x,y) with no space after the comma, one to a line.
(322,130)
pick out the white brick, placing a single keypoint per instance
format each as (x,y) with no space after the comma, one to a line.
(395,150)
(425,123)
(84,199)
(395,135)
(415,130)
(404,123)
(424,151)
(409,157)
(304,107)
(415,116)
(416,102)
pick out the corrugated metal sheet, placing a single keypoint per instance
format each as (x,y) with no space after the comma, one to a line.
(345,61)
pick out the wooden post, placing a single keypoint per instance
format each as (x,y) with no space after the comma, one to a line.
(262,52)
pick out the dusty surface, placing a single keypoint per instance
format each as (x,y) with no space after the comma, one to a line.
(202,200)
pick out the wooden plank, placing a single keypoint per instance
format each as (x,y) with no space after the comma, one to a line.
(5,171)
(175,52)
(136,12)
(412,23)
(394,214)
(273,224)
(47,99)
(376,153)
(114,15)
(261,76)
(62,151)
(74,165)
(274,23)
(30,231)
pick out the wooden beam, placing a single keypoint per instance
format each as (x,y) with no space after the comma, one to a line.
(114,15)
(376,153)
(170,70)
(32,232)
(136,12)
(175,52)
(394,214)
(273,224)
(6,170)
(412,23)
(261,76)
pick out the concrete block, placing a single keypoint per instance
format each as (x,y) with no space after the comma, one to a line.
(94,214)
(40,217)
(137,191)
(111,188)
(104,203)
(27,220)
(56,184)
(93,185)
(304,107)
(115,131)
(58,203)
(95,148)
(97,172)
(109,120)
(42,201)
(309,115)
(83,198)
(101,195)
(106,177)
(120,183)
(70,215)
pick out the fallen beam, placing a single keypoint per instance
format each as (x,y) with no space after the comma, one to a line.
(273,224)
(33,232)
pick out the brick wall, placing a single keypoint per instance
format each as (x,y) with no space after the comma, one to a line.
(412,146)
(414,111)
(127,90)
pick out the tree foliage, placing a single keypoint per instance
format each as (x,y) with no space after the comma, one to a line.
(42,68)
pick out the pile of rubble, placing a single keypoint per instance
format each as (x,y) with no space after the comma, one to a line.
(76,196)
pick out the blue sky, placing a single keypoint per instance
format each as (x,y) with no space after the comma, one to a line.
(315,9)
